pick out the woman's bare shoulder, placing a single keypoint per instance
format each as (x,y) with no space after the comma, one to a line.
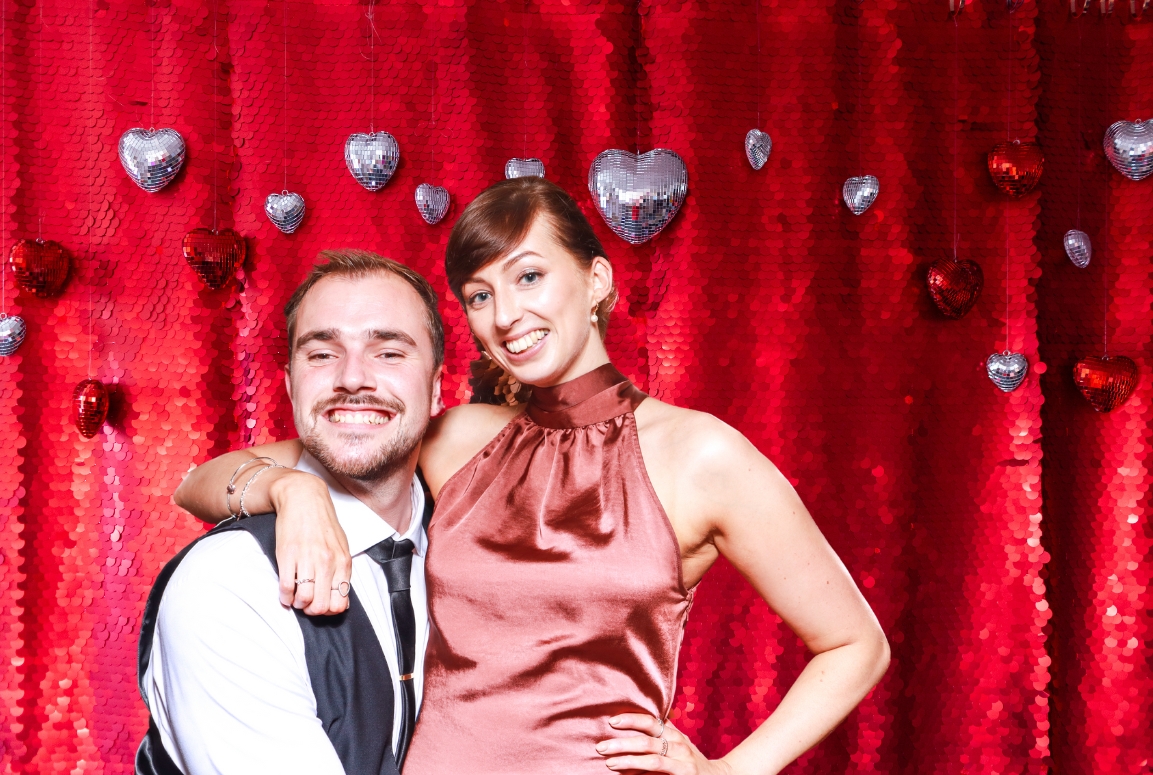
(687,431)
(456,436)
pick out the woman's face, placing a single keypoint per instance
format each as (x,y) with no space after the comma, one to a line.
(532,310)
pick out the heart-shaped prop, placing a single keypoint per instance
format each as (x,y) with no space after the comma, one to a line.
(860,192)
(152,157)
(1129,146)
(1106,382)
(758,146)
(285,210)
(955,285)
(41,266)
(214,255)
(1007,370)
(432,202)
(89,407)
(1078,247)
(12,332)
(638,195)
(371,158)
(1016,167)
(523,168)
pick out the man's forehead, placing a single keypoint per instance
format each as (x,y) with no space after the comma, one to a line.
(361,306)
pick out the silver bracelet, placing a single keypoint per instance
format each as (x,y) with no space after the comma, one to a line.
(244,512)
(231,489)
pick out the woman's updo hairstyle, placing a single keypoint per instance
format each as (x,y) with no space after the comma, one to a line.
(489,229)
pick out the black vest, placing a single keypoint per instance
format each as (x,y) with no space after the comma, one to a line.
(346,666)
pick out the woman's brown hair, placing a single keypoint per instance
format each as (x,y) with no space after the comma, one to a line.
(490,228)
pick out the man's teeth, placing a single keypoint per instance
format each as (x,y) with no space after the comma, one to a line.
(526,341)
(358,418)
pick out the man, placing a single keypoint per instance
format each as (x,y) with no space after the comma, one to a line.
(237,682)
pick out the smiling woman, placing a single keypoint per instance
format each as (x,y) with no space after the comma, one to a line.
(570,533)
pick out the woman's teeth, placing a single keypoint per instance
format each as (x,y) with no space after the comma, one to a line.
(358,418)
(526,341)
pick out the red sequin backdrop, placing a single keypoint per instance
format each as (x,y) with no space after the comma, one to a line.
(1003,539)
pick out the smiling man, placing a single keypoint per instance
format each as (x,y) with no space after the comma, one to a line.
(238,682)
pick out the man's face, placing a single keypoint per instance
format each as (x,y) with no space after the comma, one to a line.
(363,379)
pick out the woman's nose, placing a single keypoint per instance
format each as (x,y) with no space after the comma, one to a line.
(506,310)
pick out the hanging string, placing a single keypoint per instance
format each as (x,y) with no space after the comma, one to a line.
(1079,130)
(284,113)
(370,17)
(637,79)
(432,107)
(524,69)
(215,113)
(3,157)
(956,125)
(39,105)
(152,65)
(758,64)
(1105,240)
(91,214)
(860,78)
(1008,136)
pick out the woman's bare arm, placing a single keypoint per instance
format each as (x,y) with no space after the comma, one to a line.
(310,543)
(726,497)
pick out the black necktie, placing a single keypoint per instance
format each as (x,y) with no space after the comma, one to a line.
(395,557)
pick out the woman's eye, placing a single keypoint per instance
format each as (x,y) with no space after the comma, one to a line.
(480,297)
(530,277)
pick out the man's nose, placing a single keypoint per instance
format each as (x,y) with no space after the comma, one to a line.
(353,376)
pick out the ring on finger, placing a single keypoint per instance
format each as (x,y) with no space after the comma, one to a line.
(298,582)
(343,588)
(662,732)
(664,746)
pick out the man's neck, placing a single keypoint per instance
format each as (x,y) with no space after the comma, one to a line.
(390,496)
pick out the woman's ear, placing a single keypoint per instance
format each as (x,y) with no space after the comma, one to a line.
(602,276)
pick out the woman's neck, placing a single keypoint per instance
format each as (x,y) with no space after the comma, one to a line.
(593,356)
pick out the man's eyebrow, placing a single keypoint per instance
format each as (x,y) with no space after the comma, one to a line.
(376,335)
(391,335)
(318,335)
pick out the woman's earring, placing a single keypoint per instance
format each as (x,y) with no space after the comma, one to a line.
(594,317)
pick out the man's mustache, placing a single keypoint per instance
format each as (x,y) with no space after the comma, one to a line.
(389,405)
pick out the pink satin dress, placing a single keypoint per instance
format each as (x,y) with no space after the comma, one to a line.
(554,590)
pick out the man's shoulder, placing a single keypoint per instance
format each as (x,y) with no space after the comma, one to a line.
(222,571)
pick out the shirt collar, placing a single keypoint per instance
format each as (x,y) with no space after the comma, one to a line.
(362,526)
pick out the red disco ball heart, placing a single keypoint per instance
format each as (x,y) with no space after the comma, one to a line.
(1106,382)
(955,285)
(41,266)
(1016,167)
(214,255)
(89,407)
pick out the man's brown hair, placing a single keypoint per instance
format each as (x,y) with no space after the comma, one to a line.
(355,264)
(496,221)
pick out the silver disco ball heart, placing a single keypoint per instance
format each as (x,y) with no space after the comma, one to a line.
(1129,146)
(758,146)
(152,157)
(371,158)
(432,202)
(638,195)
(523,168)
(1078,247)
(12,333)
(285,210)
(860,193)
(1007,370)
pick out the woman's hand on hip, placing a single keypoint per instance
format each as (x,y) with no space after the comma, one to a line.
(660,748)
(311,548)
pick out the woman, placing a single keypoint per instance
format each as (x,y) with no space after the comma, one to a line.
(569,533)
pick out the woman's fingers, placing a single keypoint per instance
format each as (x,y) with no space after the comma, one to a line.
(633,744)
(641,722)
(647,763)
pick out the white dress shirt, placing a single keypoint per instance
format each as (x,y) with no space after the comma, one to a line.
(227,683)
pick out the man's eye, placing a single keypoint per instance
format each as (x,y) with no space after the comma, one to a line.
(319,356)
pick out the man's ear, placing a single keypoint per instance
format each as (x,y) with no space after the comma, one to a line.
(288,381)
(437,403)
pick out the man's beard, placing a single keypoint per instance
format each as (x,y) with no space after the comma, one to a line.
(373,464)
